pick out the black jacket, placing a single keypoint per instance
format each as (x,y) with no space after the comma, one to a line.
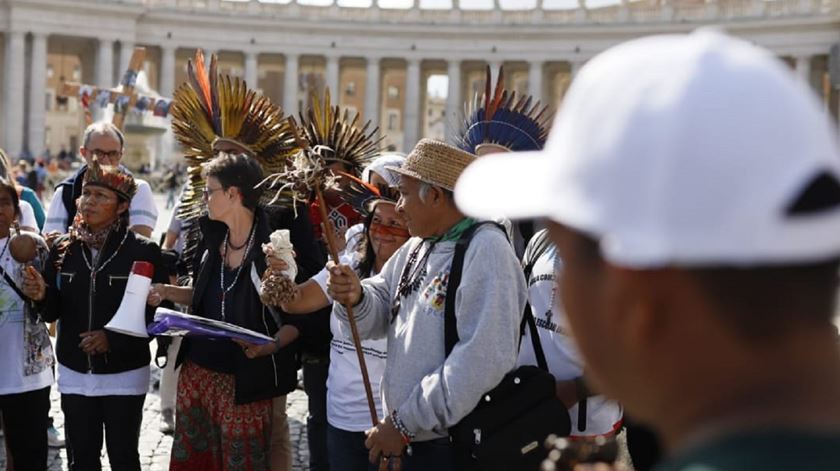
(264,377)
(69,295)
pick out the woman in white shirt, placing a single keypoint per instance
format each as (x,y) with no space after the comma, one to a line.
(27,359)
(348,414)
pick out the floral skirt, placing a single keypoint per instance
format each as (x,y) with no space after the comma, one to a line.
(212,432)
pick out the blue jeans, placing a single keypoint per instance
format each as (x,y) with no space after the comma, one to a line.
(346,450)
(315,385)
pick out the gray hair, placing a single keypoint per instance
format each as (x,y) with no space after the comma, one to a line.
(100,128)
(424,190)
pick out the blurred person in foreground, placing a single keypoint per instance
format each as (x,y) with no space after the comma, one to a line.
(700,237)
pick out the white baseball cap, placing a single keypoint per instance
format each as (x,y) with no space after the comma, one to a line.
(678,150)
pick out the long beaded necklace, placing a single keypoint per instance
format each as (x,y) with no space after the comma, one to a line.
(238,270)
(96,267)
(411,277)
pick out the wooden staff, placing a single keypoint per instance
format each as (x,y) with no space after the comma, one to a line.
(329,230)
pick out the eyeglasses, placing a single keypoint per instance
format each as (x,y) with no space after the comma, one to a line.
(105,154)
(206,192)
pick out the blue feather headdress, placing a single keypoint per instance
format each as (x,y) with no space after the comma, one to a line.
(498,119)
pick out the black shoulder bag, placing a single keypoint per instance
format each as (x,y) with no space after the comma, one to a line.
(508,427)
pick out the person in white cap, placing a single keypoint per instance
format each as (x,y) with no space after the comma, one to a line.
(692,188)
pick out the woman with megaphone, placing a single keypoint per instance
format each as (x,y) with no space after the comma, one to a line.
(98,293)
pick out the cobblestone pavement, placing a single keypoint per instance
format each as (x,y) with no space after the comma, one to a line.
(155,446)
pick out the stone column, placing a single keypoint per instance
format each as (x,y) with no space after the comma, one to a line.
(167,70)
(14,93)
(453,98)
(803,69)
(535,80)
(105,63)
(372,91)
(126,50)
(37,97)
(411,113)
(251,69)
(333,77)
(290,85)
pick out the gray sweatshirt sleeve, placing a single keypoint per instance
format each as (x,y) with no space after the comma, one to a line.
(373,314)
(488,305)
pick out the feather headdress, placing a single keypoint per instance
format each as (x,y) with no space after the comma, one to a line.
(501,120)
(363,196)
(210,113)
(209,109)
(115,179)
(337,136)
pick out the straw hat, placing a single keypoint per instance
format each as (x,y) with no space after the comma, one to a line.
(436,163)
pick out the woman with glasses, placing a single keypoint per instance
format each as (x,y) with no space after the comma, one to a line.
(348,416)
(224,409)
(27,359)
(103,376)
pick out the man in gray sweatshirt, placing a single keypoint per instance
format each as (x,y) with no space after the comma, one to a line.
(424,391)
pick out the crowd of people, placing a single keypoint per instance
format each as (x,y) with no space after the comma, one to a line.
(671,247)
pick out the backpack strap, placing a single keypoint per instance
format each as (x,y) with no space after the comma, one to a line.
(450,324)
(536,248)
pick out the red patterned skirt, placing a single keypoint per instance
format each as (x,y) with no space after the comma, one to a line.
(212,432)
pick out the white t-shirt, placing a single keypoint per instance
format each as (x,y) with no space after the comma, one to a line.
(141,212)
(12,379)
(127,383)
(561,354)
(347,407)
(27,216)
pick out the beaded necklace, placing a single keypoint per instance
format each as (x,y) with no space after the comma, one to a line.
(412,275)
(94,269)
(238,270)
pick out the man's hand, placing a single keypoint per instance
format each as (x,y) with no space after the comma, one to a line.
(94,342)
(33,284)
(343,284)
(385,440)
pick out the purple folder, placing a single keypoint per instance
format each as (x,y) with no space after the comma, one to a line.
(178,324)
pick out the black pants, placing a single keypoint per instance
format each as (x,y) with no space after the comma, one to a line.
(25,421)
(84,419)
(315,384)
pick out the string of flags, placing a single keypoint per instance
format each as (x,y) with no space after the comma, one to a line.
(101,98)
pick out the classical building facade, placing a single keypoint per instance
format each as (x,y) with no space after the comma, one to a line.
(375,60)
